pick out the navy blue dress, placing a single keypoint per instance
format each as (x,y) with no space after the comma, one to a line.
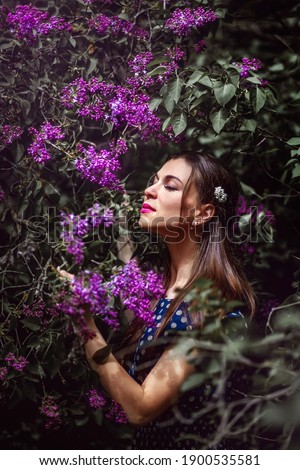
(167,431)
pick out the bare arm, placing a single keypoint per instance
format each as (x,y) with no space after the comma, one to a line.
(144,402)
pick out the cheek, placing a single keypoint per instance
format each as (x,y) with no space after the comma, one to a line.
(188,207)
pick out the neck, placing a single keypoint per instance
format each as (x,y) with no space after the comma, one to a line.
(182,256)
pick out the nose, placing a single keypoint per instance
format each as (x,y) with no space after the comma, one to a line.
(151,191)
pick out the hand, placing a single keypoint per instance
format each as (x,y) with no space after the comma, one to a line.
(65,275)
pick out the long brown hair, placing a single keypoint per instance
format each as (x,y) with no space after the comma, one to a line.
(215,259)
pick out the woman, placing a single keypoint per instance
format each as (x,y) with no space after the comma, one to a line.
(188,203)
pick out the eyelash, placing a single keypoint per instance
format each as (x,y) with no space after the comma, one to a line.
(170,188)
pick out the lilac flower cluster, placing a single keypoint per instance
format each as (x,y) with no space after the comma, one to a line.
(181,22)
(137,289)
(49,409)
(116,412)
(9,133)
(38,309)
(88,293)
(113,26)
(113,410)
(248,64)
(200,46)
(3,373)
(95,398)
(48,133)
(17,363)
(99,167)
(28,22)
(74,227)
(121,106)
(138,66)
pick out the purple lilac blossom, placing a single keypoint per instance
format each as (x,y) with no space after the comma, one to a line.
(99,167)
(246,65)
(89,292)
(49,410)
(38,309)
(9,133)
(181,22)
(95,398)
(74,227)
(3,373)
(114,25)
(28,22)
(17,363)
(48,133)
(200,46)
(121,106)
(138,67)
(116,412)
(113,411)
(137,289)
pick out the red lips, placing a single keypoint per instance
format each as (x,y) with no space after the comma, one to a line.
(147,208)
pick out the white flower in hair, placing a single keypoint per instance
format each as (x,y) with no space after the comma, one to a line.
(220,194)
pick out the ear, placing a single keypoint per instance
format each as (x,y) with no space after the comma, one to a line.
(204,213)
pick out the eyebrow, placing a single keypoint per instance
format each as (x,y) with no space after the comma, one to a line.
(169,177)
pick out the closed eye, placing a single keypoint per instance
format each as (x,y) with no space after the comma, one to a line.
(170,188)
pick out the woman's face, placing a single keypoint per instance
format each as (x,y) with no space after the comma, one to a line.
(162,209)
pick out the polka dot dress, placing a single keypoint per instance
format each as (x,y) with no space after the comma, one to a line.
(171,428)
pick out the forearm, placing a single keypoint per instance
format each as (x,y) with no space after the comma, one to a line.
(115,380)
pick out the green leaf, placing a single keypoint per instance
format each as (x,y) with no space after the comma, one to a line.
(248,125)
(296,171)
(294,141)
(224,92)
(258,98)
(179,123)
(166,123)
(169,103)
(200,77)
(254,80)
(157,71)
(218,119)
(32,324)
(248,190)
(175,89)
(193,381)
(154,103)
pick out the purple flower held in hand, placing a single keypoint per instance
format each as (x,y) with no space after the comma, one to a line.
(137,289)
(88,292)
